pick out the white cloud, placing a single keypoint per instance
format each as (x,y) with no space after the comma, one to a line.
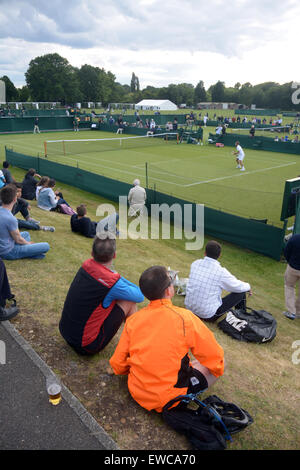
(162,42)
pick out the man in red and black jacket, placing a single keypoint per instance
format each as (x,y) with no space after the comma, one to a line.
(98,301)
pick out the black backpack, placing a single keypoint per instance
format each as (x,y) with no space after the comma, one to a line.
(256,326)
(208,426)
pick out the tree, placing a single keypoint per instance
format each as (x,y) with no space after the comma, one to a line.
(24,94)
(52,78)
(134,84)
(12,93)
(200,93)
(246,94)
(89,83)
(218,92)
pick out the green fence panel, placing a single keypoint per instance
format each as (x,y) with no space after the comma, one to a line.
(26,124)
(246,233)
(258,143)
(258,112)
(82,179)
(127,129)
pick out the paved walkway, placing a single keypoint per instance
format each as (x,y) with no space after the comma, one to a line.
(27,420)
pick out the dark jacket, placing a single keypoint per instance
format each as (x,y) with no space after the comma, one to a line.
(292,252)
(29,187)
(83,225)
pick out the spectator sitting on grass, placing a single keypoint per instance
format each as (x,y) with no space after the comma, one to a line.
(23,206)
(41,184)
(154,347)
(206,282)
(80,223)
(29,184)
(49,200)
(7,174)
(13,244)
(2,180)
(98,301)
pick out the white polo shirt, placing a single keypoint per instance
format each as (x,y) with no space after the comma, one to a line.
(206,282)
(241,153)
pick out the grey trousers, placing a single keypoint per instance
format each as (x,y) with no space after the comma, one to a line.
(291,282)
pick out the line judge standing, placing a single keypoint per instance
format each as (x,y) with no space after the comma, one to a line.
(136,198)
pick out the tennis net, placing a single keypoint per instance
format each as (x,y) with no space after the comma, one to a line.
(79,146)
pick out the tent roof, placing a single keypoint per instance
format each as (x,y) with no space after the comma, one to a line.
(153,102)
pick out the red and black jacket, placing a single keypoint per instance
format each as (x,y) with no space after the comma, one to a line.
(83,313)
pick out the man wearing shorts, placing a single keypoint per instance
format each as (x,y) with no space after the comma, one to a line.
(154,347)
(240,155)
(98,301)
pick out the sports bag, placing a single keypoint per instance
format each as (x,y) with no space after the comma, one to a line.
(65,209)
(256,326)
(207,427)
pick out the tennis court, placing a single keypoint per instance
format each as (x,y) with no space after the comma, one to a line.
(204,174)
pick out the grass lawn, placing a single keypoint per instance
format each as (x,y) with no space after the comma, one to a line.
(260,378)
(204,174)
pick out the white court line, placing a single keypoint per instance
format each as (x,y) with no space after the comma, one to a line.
(117,169)
(142,165)
(239,174)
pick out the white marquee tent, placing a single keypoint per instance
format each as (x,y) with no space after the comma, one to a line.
(157,105)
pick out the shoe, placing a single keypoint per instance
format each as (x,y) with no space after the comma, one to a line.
(47,229)
(289,315)
(238,166)
(243,169)
(7,313)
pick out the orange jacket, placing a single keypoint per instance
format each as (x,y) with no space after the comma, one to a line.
(153,351)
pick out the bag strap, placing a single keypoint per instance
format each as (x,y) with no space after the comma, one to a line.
(193,397)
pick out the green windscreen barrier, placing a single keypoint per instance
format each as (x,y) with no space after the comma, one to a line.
(26,124)
(257,143)
(286,210)
(246,233)
(257,112)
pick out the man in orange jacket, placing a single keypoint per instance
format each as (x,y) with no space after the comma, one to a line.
(154,346)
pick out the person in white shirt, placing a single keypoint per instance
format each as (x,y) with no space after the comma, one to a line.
(206,282)
(240,155)
(136,199)
(219,130)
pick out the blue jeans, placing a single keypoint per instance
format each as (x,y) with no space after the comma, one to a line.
(34,251)
(28,225)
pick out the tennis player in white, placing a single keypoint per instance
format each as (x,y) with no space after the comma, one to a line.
(240,155)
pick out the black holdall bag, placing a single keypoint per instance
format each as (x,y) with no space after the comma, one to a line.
(208,426)
(255,326)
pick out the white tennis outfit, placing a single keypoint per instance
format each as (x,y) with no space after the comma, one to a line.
(241,153)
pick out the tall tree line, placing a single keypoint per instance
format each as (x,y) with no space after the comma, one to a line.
(52,78)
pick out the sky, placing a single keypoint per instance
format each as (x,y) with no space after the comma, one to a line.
(161,41)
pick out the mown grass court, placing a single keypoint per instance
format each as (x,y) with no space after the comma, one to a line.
(203,174)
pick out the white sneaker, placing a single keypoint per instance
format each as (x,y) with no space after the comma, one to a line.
(243,169)
(46,228)
(238,166)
